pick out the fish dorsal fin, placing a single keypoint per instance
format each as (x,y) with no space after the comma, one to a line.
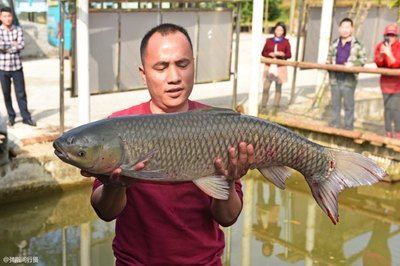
(217,110)
(214,186)
(276,174)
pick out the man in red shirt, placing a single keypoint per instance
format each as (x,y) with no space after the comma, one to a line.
(387,54)
(169,224)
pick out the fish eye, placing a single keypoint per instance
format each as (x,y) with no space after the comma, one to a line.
(81,153)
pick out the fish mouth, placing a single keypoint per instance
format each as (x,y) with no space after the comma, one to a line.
(59,151)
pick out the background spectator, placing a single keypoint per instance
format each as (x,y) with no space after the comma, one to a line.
(387,54)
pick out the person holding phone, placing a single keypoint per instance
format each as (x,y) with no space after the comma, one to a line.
(387,54)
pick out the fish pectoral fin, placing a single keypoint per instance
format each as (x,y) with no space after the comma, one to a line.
(214,186)
(144,159)
(276,174)
(143,174)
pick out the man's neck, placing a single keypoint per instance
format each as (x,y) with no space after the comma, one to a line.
(346,39)
(158,110)
(6,27)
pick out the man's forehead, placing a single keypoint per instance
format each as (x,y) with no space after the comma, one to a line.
(346,23)
(171,43)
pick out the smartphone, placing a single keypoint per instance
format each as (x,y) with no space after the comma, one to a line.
(386,40)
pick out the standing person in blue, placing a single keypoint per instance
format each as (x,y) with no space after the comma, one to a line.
(276,47)
(11,43)
(348,51)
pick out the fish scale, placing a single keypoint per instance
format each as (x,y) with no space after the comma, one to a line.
(220,132)
(183,147)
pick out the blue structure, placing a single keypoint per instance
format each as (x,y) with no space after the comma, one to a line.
(53,26)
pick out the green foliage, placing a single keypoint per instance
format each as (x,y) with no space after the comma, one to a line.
(247,12)
(274,11)
(394,3)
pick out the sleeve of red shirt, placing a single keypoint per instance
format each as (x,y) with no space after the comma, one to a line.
(268,48)
(379,60)
(288,52)
(382,61)
(396,54)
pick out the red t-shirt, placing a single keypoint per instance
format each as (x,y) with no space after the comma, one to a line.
(167,224)
(389,84)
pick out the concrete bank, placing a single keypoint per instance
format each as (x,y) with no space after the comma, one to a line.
(35,172)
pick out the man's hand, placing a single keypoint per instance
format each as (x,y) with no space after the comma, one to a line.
(386,49)
(2,138)
(115,179)
(238,164)
(226,211)
(272,54)
(279,53)
(349,64)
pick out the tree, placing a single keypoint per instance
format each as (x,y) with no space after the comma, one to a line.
(394,3)
(274,11)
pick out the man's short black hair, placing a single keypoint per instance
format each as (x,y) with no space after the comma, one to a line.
(164,29)
(346,20)
(6,9)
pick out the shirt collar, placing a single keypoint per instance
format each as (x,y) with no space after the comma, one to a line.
(3,28)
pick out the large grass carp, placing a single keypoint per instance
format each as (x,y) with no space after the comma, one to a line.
(183,147)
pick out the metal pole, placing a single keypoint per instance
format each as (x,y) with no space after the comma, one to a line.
(324,37)
(64,246)
(85,244)
(235,74)
(256,43)
(310,232)
(247,221)
(292,9)
(228,245)
(266,10)
(82,56)
(73,53)
(299,27)
(61,56)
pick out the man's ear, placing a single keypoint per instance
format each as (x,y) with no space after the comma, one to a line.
(143,75)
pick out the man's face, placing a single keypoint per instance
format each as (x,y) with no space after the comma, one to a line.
(279,31)
(392,38)
(345,29)
(6,18)
(168,70)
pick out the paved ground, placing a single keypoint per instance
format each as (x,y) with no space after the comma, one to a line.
(43,95)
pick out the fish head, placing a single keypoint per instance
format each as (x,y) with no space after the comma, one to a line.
(95,150)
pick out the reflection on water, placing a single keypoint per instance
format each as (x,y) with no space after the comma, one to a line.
(289,228)
(57,230)
(276,228)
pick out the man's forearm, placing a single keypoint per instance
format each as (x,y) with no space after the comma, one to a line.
(226,211)
(4,47)
(109,201)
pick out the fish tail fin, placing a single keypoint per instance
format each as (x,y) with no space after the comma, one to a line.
(347,169)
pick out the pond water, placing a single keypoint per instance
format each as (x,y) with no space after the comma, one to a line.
(276,227)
